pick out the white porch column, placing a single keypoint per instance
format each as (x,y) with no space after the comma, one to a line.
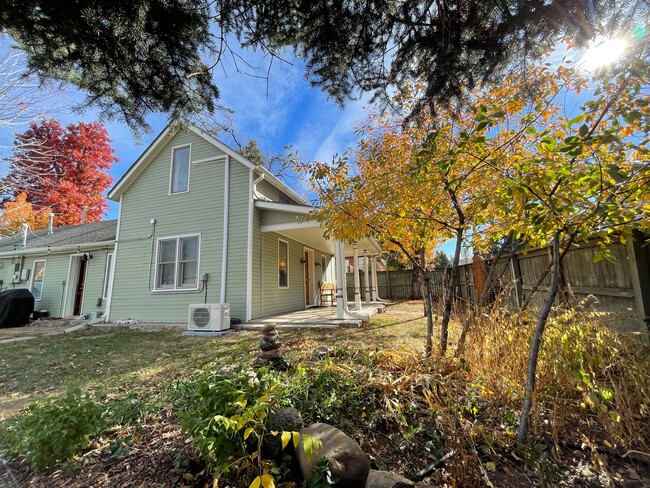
(375,286)
(365,277)
(340,280)
(357,281)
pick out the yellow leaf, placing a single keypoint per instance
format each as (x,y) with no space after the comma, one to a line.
(286,437)
(247,432)
(268,481)
(296,439)
(256,483)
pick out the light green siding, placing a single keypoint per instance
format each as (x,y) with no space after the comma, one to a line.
(238,240)
(267,190)
(57,268)
(277,300)
(199,211)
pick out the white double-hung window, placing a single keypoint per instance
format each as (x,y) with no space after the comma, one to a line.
(180,172)
(177,263)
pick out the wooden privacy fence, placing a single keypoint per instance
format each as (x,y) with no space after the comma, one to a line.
(622,286)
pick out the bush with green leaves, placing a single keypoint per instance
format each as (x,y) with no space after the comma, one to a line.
(225,412)
(55,430)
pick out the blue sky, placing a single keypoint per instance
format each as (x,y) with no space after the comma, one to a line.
(279,112)
(287,112)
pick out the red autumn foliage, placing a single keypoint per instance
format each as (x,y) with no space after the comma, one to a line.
(64,169)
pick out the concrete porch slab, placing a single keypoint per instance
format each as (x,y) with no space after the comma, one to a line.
(316,318)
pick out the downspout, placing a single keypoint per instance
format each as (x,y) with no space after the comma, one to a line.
(249,260)
(109,300)
(226,203)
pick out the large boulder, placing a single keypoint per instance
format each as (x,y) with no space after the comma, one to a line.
(386,479)
(347,462)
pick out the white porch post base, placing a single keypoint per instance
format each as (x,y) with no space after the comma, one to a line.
(365,276)
(357,281)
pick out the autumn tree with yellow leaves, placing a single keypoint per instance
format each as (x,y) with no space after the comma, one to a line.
(508,162)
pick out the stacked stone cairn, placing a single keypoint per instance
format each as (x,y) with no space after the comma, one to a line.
(271,348)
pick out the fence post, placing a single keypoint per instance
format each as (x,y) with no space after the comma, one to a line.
(644,325)
(516,276)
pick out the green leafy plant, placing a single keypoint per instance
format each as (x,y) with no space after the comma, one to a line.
(322,477)
(225,415)
(56,430)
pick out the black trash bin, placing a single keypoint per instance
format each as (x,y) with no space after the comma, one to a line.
(16,306)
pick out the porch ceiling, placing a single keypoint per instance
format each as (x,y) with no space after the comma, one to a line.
(311,235)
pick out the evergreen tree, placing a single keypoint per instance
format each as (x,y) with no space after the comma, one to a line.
(133,57)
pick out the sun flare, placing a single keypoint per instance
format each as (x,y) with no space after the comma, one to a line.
(602,52)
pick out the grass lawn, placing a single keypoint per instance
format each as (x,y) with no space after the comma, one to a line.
(135,360)
(403,408)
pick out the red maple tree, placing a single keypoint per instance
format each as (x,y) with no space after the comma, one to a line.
(64,169)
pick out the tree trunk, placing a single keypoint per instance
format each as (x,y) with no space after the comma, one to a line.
(423,281)
(449,293)
(415,280)
(428,307)
(537,340)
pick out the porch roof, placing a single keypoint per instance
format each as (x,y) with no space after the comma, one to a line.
(296,226)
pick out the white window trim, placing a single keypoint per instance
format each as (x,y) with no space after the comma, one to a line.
(31,283)
(198,265)
(277,264)
(171,169)
(108,275)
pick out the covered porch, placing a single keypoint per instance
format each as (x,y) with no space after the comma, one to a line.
(293,223)
(316,318)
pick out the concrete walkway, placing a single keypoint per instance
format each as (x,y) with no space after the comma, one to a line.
(316,318)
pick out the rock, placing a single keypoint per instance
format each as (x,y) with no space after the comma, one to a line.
(269,343)
(269,327)
(287,418)
(386,479)
(272,354)
(348,463)
(321,352)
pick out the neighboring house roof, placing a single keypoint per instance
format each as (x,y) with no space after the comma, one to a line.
(62,237)
(170,131)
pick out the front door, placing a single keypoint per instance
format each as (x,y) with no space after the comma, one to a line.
(79,291)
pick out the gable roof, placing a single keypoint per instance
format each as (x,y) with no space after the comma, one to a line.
(170,131)
(94,233)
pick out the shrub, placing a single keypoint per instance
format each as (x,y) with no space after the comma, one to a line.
(56,430)
(225,412)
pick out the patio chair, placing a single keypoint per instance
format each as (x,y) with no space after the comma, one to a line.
(327,292)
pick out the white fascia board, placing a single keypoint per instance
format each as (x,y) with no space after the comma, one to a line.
(284,207)
(88,246)
(141,163)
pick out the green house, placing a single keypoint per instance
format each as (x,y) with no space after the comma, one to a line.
(67,269)
(200,223)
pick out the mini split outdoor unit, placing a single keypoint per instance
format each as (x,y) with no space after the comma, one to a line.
(209,316)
